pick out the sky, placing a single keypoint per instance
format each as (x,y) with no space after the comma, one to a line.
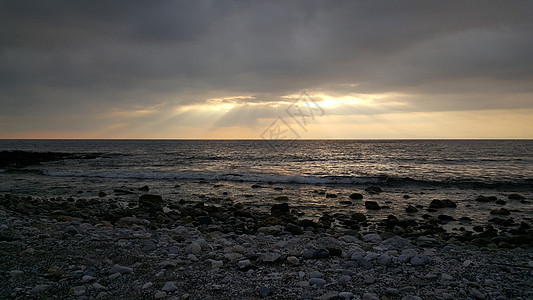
(266,69)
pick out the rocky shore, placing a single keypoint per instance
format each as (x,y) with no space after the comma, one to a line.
(153,248)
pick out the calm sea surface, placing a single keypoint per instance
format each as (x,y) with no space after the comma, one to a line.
(452,169)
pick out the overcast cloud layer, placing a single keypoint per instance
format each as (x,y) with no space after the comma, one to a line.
(69,63)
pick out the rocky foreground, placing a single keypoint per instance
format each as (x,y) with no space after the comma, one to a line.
(154,249)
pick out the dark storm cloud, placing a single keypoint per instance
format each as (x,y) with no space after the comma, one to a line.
(71,56)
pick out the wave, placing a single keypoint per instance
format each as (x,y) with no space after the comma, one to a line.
(299,179)
(197,175)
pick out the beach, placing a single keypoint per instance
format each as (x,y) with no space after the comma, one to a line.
(92,249)
(69,236)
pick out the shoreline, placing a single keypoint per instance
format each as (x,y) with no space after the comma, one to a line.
(154,248)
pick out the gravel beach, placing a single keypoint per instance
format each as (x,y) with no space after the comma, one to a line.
(150,248)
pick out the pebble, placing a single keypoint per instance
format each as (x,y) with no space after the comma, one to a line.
(265,292)
(346,295)
(193,248)
(445,276)
(392,292)
(169,287)
(87,278)
(320,253)
(328,296)
(39,288)
(317,281)
(370,296)
(372,238)
(15,273)
(216,264)
(476,294)
(114,275)
(384,260)
(447,296)
(316,274)
(98,286)
(147,285)
(269,257)
(419,260)
(120,269)
(149,246)
(369,279)
(244,263)
(174,250)
(239,249)
(348,239)
(160,295)
(361,262)
(397,242)
(344,280)
(490,282)
(293,260)
(410,297)
(78,290)
(101,295)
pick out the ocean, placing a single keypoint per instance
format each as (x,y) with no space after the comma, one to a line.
(410,172)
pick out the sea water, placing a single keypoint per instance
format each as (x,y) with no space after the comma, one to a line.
(303,170)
